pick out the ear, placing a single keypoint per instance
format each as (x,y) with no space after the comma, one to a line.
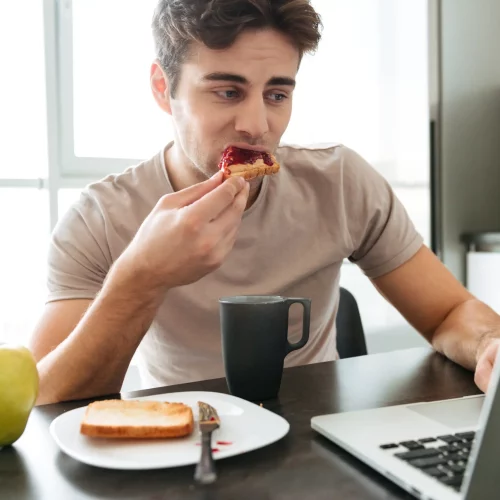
(160,87)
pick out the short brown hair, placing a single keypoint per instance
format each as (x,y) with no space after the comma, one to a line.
(217,23)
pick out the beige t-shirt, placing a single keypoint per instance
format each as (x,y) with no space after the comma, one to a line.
(325,205)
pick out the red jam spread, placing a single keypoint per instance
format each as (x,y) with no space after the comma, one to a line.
(233,155)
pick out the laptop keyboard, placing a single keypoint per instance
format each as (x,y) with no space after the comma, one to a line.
(442,457)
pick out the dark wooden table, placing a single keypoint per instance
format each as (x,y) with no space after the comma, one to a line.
(303,465)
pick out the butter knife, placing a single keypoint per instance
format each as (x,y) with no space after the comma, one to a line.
(209,421)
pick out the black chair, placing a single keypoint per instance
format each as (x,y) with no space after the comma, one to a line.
(350,334)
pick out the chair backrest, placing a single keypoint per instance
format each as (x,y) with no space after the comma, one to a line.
(350,334)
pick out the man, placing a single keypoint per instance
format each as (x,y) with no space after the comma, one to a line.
(143,257)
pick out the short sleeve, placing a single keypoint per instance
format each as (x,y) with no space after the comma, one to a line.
(383,235)
(78,257)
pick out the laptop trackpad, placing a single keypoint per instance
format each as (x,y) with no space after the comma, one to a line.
(456,413)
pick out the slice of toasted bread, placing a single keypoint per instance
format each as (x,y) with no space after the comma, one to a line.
(247,163)
(116,418)
(250,171)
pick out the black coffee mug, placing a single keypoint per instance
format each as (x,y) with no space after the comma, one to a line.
(255,342)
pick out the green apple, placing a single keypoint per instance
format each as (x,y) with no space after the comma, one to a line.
(18,391)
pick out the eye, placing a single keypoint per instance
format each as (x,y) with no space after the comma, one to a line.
(228,94)
(277,96)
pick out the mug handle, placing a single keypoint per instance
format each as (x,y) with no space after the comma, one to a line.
(305,323)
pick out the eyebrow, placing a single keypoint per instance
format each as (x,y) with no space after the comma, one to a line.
(230,77)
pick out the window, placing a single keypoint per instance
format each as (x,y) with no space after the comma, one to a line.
(24,207)
(24,223)
(22,99)
(369,78)
(367,87)
(101,63)
(109,118)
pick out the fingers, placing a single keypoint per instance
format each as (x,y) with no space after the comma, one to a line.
(483,375)
(225,228)
(219,199)
(230,217)
(225,242)
(193,193)
(485,364)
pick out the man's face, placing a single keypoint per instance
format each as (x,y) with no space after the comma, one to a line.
(237,96)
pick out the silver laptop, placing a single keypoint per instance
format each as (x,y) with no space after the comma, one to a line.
(444,450)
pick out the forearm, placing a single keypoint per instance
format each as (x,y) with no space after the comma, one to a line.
(466,332)
(94,358)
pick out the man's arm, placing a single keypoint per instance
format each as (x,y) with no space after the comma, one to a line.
(58,320)
(93,359)
(440,308)
(186,236)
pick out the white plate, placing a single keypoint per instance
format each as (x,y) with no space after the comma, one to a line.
(246,426)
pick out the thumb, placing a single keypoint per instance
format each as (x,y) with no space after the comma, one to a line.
(191,194)
(482,375)
(485,366)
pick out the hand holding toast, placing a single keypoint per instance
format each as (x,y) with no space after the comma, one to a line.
(188,234)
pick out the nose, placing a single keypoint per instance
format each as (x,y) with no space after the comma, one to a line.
(252,118)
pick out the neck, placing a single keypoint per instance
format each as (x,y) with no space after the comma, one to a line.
(182,174)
